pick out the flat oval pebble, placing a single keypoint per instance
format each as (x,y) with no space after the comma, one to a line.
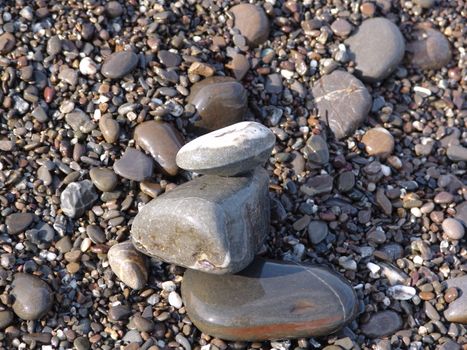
(33,297)
(252,22)
(343,102)
(162,141)
(110,128)
(288,300)
(219,101)
(457,309)
(378,142)
(377,48)
(119,64)
(7,43)
(229,151)
(104,179)
(18,222)
(134,165)
(6,318)
(128,264)
(381,324)
(453,228)
(429,50)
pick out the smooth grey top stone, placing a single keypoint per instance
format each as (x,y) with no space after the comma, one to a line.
(343,102)
(376,48)
(212,223)
(77,198)
(229,151)
(119,64)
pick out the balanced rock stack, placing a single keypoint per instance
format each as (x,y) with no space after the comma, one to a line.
(215,224)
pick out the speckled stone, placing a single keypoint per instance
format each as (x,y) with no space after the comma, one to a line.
(377,48)
(252,22)
(288,300)
(77,198)
(429,50)
(212,223)
(162,141)
(119,64)
(343,102)
(457,310)
(219,101)
(33,298)
(229,151)
(128,264)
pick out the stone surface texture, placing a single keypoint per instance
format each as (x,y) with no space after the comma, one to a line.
(269,300)
(229,151)
(252,23)
(212,223)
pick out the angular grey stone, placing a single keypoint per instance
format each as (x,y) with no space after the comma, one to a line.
(229,151)
(381,324)
(343,102)
(317,231)
(316,150)
(376,48)
(212,223)
(77,198)
(317,185)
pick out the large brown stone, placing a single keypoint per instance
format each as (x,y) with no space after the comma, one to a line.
(212,223)
(220,101)
(343,102)
(269,300)
(162,141)
(457,310)
(252,22)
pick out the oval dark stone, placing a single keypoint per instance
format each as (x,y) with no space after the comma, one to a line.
(119,64)
(269,300)
(220,101)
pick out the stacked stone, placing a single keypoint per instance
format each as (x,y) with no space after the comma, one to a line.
(215,224)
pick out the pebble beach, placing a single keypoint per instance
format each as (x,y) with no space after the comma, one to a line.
(212,175)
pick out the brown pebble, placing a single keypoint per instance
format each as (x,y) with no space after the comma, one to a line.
(451,294)
(426,295)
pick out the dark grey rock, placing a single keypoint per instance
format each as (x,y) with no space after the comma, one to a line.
(76,119)
(381,324)
(316,150)
(119,64)
(317,231)
(33,298)
(212,223)
(229,151)
(343,102)
(77,198)
(134,165)
(377,48)
(317,185)
(18,222)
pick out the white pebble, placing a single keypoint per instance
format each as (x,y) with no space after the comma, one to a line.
(373,267)
(417,259)
(385,170)
(416,212)
(87,66)
(175,300)
(422,91)
(401,292)
(168,286)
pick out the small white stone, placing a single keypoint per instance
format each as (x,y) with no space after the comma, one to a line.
(87,66)
(175,300)
(287,74)
(373,267)
(417,259)
(416,212)
(168,286)
(424,92)
(385,170)
(401,292)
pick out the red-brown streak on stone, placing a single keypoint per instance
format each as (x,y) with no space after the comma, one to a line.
(268,331)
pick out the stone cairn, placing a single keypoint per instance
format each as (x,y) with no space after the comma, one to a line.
(214,225)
